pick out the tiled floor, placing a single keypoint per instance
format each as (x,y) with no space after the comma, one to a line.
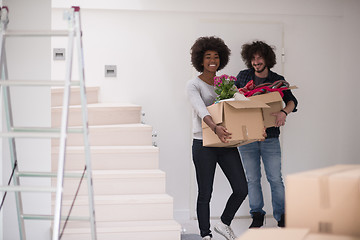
(239,225)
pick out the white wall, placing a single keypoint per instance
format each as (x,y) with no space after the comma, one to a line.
(28,59)
(350,114)
(322,60)
(150,42)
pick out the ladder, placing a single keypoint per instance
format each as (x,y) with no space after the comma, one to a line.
(74,35)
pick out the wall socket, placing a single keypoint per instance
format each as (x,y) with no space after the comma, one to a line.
(59,54)
(110,71)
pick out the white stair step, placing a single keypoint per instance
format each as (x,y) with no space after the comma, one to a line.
(125,182)
(99,114)
(109,157)
(138,207)
(128,230)
(92,96)
(113,135)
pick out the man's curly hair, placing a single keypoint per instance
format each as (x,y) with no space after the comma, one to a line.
(204,44)
(258,47)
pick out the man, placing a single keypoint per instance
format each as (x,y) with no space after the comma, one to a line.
(259,57)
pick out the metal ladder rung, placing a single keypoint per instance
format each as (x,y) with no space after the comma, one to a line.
(50,217)
(39,33)
(33,132)
(29,135)
(50,174)
(27,189)
(35,83)
(45,130)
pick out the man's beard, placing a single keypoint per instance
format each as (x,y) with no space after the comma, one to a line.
(261,70)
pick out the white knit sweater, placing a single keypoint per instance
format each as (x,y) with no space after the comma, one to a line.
(200,95)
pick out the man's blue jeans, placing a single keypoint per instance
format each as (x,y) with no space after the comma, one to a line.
(270,153)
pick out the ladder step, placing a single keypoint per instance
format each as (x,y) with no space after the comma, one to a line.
(54,33)
(33,132)
(37,83)
(45,130)
(51,217)
(29,135)
(26,189)
(50,174)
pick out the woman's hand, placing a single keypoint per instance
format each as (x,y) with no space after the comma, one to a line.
(222,133)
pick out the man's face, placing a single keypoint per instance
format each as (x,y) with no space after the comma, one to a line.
(258,63)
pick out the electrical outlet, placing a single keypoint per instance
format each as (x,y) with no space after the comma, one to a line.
(110,71)
(59,54)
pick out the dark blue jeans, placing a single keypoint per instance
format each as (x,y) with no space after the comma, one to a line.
(205,159)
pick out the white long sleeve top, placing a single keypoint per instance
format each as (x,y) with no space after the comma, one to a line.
(200,95)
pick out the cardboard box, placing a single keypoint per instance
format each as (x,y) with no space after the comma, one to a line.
(241,118)
(315,236)
(274,101)
(289,234)
(325,200)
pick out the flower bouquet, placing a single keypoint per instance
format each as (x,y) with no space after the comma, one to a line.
(225,87)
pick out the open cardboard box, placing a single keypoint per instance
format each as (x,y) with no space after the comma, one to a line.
(274,101)
(325,200)
(289,234)
(244,119)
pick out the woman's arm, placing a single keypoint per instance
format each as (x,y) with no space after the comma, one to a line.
(220,131)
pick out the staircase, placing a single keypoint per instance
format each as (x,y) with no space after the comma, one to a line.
(129,189)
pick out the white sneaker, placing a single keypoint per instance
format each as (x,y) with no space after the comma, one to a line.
(225,230)
(206,238)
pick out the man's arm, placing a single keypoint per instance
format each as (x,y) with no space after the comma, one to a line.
(281,116)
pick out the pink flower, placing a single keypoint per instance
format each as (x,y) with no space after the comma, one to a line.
(224,87)
(232,78)
(224,76)
(217,81)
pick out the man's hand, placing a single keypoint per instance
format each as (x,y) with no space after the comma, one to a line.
(280,118)
(264,135)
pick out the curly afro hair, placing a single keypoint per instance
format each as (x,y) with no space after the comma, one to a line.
(258,47)
(204,44)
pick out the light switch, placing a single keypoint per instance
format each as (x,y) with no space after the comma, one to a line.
(110,71)
(59,54)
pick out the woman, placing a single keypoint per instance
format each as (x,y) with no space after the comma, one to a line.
(208,55)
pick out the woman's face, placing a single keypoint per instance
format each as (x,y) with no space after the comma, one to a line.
(211,61)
